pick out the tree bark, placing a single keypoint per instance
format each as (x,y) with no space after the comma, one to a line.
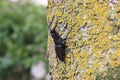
(93,44)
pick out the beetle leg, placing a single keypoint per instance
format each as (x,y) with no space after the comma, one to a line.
(64,28)
(66,25)
(64,40)
(67,35)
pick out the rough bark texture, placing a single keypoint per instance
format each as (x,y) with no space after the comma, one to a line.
(93,45)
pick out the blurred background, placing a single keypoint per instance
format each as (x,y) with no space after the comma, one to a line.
(23,40)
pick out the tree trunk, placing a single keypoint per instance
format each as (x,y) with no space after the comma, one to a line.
(93,44)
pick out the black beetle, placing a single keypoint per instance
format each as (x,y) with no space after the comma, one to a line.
(58,41)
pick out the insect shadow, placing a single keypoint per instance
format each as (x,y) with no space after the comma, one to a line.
(60,44)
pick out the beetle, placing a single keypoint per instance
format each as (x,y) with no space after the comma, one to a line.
(58,41)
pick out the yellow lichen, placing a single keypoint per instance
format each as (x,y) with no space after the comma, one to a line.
(93,45)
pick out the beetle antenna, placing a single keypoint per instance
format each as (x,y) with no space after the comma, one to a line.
(55,24)
(50,23)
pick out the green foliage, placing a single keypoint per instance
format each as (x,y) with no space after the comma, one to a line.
(23,35)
